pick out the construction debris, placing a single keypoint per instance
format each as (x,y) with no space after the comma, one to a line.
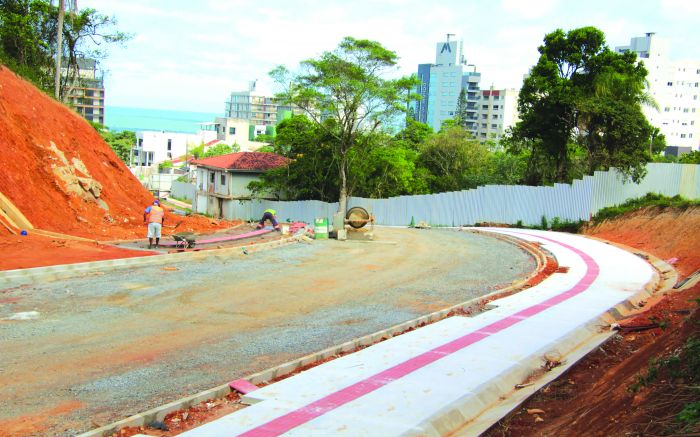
(422,225)
(552,360)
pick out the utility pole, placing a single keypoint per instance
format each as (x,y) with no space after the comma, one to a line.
(59,48)
(59,42)
(187,166)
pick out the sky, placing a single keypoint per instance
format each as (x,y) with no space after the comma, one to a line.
(190,55)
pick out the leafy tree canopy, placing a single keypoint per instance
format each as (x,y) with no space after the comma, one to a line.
(309,174)
(344,93)
(220,149)
(455,160)
(581,110)
(27,32)
(28,45)
(414,134)
(690,158)
(120,142)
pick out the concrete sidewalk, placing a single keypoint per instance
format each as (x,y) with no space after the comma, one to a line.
(457,375)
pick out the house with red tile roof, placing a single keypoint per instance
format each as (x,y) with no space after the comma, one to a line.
(222,180)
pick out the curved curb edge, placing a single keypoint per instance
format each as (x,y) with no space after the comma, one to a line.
(288,368)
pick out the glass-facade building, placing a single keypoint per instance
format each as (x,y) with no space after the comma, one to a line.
(441,84)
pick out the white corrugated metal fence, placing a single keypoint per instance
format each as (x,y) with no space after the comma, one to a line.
(498,203)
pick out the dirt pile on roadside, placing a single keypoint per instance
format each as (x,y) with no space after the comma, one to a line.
(60,173)
(638,382)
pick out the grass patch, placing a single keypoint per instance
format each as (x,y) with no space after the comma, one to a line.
(681,369)
(556,224)
(181,199)
(646,201)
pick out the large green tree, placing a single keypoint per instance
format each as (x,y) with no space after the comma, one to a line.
(345,94)
(28,40)
(581,110)
(455,161)
(385,167)
(461,114)
(388,169)
(27,31)
(312,165)
(86,35)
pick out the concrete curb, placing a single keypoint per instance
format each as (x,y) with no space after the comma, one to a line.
(63,271)
(471,416)
(285,369)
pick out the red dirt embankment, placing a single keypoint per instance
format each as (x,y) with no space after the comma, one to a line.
(602,395)
(62,176)
(38,251)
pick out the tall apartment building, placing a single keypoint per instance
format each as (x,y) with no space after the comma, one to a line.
(86,91)
(497,111)
(441,84)
(675,87)
(255,107)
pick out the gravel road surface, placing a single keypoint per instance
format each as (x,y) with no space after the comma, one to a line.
(86,351)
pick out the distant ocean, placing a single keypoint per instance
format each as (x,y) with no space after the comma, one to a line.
(138,119)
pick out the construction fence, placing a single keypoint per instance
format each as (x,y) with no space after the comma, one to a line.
(182,190)
(497,203)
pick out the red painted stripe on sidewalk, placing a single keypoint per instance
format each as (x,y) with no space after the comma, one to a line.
(341,397)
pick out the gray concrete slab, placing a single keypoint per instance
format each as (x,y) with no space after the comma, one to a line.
(451,376)
(145,335)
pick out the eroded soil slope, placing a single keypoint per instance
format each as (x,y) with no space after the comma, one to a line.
(60,173)
(666,233)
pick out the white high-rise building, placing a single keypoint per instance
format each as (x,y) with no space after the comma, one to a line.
(674,85)
(497,111)
(255,107)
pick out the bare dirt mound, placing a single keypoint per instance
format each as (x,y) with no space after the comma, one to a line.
(640,380)
(57,169)
(60,173)
(667,233)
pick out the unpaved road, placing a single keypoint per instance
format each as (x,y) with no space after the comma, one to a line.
(108,345)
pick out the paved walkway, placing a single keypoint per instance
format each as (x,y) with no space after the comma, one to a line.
(433,380)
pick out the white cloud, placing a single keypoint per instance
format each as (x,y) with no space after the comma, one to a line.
(195,53)
(531,9)
(505,67)
(681,9)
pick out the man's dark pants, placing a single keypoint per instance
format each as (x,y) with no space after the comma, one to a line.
(268,216)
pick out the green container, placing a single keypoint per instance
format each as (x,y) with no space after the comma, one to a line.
(321,228)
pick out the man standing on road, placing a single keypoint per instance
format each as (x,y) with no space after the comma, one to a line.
(269,214)
(154,216)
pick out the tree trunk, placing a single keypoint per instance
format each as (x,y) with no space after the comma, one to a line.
(59,49)
(343,200)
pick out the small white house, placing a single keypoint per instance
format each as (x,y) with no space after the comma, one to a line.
(223,180)
(154,147)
